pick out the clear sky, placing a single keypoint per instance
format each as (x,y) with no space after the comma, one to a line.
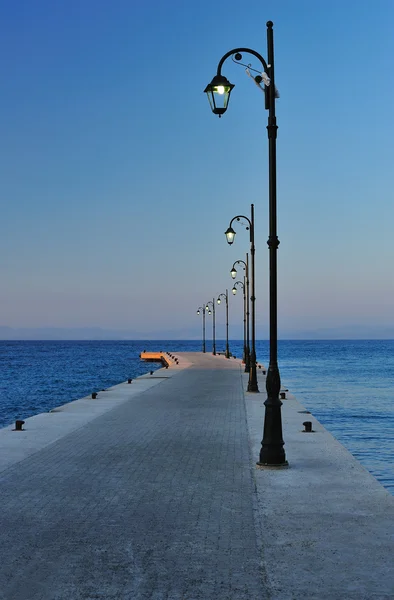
(117,182)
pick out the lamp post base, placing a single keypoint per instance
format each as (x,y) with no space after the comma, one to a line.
(269,466)
(272,458)
(272,452)
(252,386)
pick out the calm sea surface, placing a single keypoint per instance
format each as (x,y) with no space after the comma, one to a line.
(347,385)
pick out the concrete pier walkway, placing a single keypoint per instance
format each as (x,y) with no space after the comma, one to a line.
(151,492)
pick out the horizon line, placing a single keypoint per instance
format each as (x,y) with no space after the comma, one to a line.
(350,339)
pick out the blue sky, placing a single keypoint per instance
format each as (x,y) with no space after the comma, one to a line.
(117,182)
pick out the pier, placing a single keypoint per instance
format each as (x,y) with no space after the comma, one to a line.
(151,491)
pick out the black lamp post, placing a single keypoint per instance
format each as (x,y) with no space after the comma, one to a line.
(234,291)
(233,274)
(225,296)
(201,308)
(272,451)
(230,235)
(207,307)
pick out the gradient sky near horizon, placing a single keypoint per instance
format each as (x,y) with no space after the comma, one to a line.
(117,182)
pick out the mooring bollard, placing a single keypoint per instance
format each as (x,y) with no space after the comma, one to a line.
(151,372)
(283,395)
(308,426)
(94,395)
(129,380)
(19,425)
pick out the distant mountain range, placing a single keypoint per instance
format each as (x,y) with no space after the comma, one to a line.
(350,332)
(345,332)
(66,333)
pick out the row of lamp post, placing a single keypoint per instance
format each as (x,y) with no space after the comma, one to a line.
(218,91)
(245,288)
(207,308)
(201,310)
(225,298)
(249,354)
(230,236)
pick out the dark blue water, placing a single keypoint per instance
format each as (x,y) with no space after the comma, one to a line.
(347,385)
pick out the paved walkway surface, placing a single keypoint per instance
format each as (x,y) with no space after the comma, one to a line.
(153,499)
(151,492)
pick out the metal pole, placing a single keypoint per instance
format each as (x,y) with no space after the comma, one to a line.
(214,328)
(252,383)
(227,353)
(203,329)
(272,451)
(247,363)
(244,291)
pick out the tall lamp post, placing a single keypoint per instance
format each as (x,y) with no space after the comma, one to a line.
(272,452)
(230,235)
(207,307)
(234,291)
(225,296)
(202,308)
(233,274)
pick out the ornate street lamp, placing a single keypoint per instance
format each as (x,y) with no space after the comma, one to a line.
(199,310)
(230,236)
(233,274)
(272,451)
(234,291)
(207,307)
(225,296)
(218,92)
